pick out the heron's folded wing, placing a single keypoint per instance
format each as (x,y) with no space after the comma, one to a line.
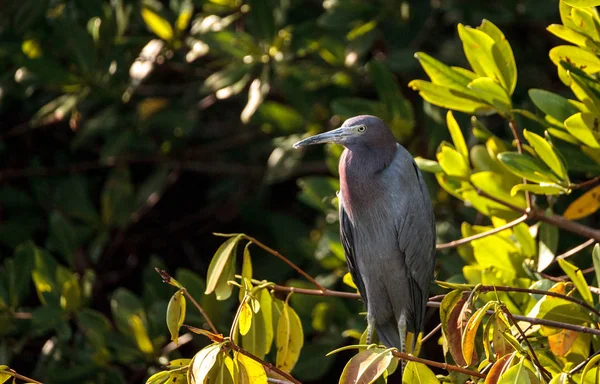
(347,239)
(417,240)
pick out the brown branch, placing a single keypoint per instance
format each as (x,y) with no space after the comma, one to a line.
(563,278)
(492,288)
(583,363)
(533,355)
(576,249)
(285,260)
(584,184)
(432,333)
(556,220)
(468,239)
(445,366)
(17,375)
(265,364)
(513,127)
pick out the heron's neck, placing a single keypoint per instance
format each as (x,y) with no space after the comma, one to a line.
(360,168)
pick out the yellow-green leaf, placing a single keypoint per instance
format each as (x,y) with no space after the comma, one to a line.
(245,319)
(586,21)
(468,337)
(290,339)
(491,93)
(481,52)
(546,152)
(582,3)
(578,279)
(562,135)
(450,98)
(552,104)
(441,74)
(255,371)
(539,189)
(366,366)
(176,314)
(496,185)
(140,334)
(457,136)
(223,371)
(579,57)
(70,297)
(220,264)
(162,377)
(528,167)
(427,165)
(506,54)
(596,260)
(517,374)
(185,15)
(202,363)
(246,271)
(573,36)
(582,126)
(452,162)
(157,24)
(418,373)
(347,279)
(585,205)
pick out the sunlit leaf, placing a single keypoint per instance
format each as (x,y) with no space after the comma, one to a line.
(585,205)
(418,373)
(255,371)
(176,314)
(162,377)
(348,280)
(290,339)
(427,165)
(452,162)
(245,319)
(202,363)
(468,337)
(582,3)
(546,152)
(220,268)
(562,341)
(578,279)
(441,74)
(450,98)
(540,189)
(518,373)
(506,59)
(494,373)
(491,93)
(457,136)
(366,366)
(157,24)
(573,36)
(579,57)
(454,319)
(528,167)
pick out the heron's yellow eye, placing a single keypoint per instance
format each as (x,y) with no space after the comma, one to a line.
(362,128)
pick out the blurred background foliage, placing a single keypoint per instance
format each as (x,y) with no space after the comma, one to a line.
(129,131)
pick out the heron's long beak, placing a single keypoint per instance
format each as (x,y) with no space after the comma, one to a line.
(335,136)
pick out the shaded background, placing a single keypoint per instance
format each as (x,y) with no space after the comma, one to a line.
(130,131)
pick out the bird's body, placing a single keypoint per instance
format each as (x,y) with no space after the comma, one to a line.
(387,226)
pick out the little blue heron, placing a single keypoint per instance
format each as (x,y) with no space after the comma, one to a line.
(387,226)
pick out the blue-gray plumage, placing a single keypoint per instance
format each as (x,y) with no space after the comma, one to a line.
(387,226)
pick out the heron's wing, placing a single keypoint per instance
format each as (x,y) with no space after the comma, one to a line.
(347,239)
(416,238)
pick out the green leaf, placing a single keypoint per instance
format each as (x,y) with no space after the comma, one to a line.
(176,314)
(427,165)
(418,373)
(546,152)
(552,104)
(62,236)
(157,24)
(539,189)
(452,162)
(528,167)
(491,93)
(578,279)
(450,98)
(246,270)
(290,339)
(202,363)
(261,20)
(484,56)
(70,295)
(366,366)
(441,74)
(516,374)
(457,136)
(583,126)
(562,135)
(130,318)
(118,198)
(221,268)
(506,55)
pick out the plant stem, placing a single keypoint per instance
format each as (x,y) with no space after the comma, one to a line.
(468,239)
(432,333)
(201,310)
(285,260)
(576,249)
(556,220)
(445,366)
(585,183)
(17,375)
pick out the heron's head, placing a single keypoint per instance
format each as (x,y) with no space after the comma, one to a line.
(364,130)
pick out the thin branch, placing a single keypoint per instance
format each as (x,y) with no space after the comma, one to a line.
(17,375)
(556,220)
(432,333)
(492,288)
(533,355)
(265,364)
(288,262)
(562,278)
(513,127)
(583,363)
(587,183)
(445,366)
(468,239)
(236,318)
(576,249)
(182,340)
